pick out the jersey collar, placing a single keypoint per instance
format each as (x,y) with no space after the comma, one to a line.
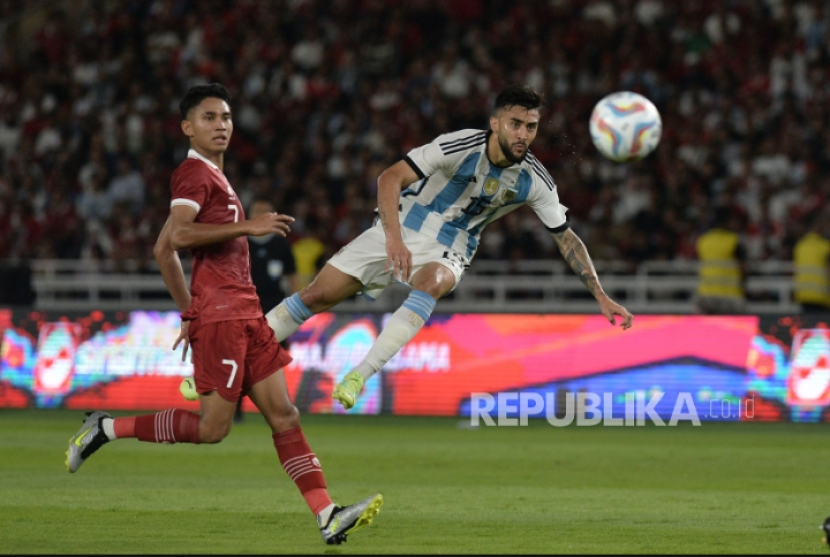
(193,154)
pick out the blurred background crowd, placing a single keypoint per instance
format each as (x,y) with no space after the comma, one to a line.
(329,93)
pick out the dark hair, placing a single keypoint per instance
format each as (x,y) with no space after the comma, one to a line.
(517,94)
(198,93)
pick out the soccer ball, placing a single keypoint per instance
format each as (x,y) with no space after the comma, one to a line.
(625,126)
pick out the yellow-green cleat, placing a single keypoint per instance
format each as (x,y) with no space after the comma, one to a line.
(88,440)
(347,520)
(347,391)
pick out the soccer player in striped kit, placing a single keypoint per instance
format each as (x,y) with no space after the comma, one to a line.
(234,350)
(432,207)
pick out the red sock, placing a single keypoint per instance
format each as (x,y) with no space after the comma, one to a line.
(302,466)
(124,427)
(169,426)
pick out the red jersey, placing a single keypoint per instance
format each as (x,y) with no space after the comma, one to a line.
(220,283)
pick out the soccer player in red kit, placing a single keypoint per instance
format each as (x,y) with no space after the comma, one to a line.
(234,350)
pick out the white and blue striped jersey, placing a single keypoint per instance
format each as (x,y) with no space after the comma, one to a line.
(460,191)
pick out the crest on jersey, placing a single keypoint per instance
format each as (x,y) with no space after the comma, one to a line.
(510,194)
(491,186)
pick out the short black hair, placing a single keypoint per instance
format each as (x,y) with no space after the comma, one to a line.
(198,93)
(517,94)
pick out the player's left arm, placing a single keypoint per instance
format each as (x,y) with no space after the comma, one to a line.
(543,198)
(576,254)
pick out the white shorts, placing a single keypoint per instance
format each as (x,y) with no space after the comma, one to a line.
(364,258)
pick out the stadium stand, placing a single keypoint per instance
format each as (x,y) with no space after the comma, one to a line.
(326,94)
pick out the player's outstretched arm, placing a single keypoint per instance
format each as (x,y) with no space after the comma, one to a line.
(187,234)
(576,254)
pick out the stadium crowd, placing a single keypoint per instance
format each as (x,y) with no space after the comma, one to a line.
(328,93)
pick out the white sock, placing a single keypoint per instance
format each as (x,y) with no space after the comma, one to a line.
(401,327)
(279,320)
(109,428)
(325,514)
(287,317)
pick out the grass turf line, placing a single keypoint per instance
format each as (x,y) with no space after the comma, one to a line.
(718,488)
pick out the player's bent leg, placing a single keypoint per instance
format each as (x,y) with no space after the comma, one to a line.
(329,288)
(168,426)
(270,395)
(435,279)
(271,398)
(215,418)
(431,282)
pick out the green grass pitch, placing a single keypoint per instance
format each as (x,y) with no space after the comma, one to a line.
(717,488)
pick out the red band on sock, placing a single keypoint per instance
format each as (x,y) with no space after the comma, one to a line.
(168,426)
(124,427)
(302,466)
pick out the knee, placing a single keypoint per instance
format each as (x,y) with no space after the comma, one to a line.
(209,433)
(433,288)
(436,281)
(285,419)
(436,286)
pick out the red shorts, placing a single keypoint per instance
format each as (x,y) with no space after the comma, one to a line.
(231,356)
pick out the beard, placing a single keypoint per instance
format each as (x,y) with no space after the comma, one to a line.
(508,153)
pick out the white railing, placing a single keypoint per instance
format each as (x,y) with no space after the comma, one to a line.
(62,267)
(489,286)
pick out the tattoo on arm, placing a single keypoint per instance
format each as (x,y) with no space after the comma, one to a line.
(575,253)
(382,215)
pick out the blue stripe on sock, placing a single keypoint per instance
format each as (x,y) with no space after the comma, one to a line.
(420,303)
(422,300)
(297,309)
(417,310)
